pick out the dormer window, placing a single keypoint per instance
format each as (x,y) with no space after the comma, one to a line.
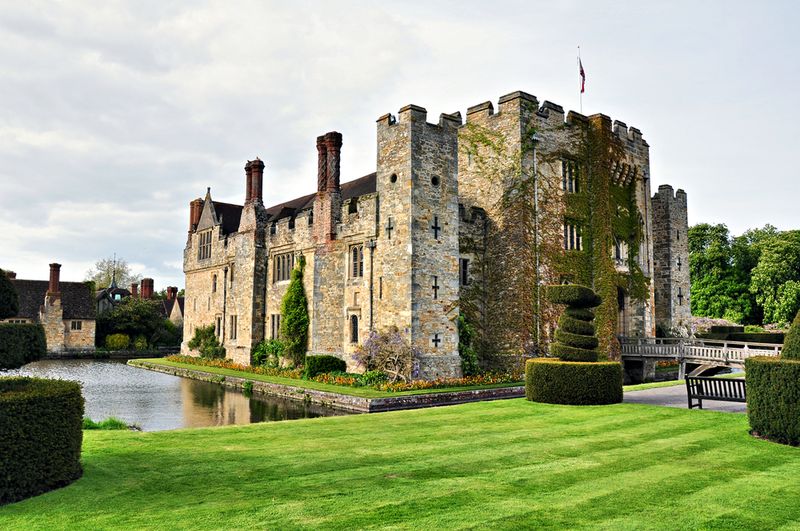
(204,247)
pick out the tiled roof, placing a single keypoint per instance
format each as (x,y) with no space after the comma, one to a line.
(356,188)
(231,214)
(77,299)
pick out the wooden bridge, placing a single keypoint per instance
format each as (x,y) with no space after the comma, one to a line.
(700,355)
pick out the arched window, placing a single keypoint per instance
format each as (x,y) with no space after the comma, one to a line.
(353,329)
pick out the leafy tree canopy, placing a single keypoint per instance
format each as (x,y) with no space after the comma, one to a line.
(104,271)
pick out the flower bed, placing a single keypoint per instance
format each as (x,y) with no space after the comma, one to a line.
(229,364)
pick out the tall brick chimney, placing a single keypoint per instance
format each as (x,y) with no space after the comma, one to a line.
(328,203)
(135,290)
(248,189)
(172,293)
(257,183)
(55,277)
(195,210)
(322,164)
(147,288)
(333,141)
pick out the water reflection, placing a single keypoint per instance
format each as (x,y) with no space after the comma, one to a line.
(158,401)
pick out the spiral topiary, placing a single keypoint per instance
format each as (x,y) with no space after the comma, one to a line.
(791,344)
(575,338)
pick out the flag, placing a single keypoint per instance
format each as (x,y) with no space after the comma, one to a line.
(583,76)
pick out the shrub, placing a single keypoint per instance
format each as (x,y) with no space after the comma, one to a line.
(323,364)
(791,343)
(9,301)
(573,295)
(118,342)
(388,352)
(40,436)
(268,353)
(574,383)
(575,338)
(111,423)
(140,343)
(206,343)
(21,344)
(247,388)
(466,348)
(294,316)
(773,398)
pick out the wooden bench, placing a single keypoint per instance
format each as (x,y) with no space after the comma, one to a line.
(723,389)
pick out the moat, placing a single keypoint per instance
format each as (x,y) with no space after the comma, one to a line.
(155,401)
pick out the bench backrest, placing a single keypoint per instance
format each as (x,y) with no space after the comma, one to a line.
(705,387)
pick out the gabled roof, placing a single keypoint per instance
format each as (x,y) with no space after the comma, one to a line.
(77,299)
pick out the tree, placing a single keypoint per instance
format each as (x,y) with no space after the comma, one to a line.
(133,317)
(717,289)
(294,316)
(776,279)
(791,344)
(107,269)
(9,302)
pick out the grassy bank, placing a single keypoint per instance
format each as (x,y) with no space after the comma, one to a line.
(364,392)
(507,464)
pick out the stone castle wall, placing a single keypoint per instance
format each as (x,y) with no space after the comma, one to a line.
(671,261)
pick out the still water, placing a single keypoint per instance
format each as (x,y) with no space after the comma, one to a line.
(155,401)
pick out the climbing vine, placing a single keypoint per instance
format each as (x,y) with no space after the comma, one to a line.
(523,242)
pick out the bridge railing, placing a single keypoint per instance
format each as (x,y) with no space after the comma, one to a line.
(709,350)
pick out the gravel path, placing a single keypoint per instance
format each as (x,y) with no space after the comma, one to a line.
(675,396)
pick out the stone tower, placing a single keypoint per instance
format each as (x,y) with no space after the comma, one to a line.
(671,261)
(418,190)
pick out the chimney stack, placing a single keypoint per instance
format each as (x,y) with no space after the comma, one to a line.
(322,164)
(195,210)
(147,288)
(55,274)
(333,141)
(135,290)
(11,274)
(257,183)
(248,190)
(172,293)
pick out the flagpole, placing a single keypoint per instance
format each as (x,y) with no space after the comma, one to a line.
(580,80)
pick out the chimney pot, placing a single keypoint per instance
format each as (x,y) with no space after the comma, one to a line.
(135,290)
(257,184)
(322,164)
(195,210)
(248,191)
(172,293)
(147,288)
(55,274)
(333,141)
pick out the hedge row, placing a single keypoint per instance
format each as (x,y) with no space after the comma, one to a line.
(40,436)
(323,364)
(566,382)
(21,344)
(773,398)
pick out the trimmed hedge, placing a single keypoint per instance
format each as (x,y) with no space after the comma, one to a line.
(323,364)
(791,344)
(575,326)
(773,398)
(576,340)
(40,436)
(573,295)
(581,314)
(574,383)
(21,344)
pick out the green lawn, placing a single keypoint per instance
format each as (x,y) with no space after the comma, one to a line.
(506,464)
(365,392)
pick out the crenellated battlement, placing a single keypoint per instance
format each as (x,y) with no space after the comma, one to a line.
(415,114)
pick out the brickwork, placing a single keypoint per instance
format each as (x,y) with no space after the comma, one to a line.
(389,254)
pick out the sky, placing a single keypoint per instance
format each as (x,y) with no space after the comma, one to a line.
(114,115)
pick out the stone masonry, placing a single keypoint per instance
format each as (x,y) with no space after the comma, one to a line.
(385,250)
(671,261)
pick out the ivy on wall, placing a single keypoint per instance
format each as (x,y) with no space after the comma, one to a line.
(523,240)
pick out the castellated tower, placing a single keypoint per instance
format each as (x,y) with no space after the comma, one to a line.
(417,185)
(671,261)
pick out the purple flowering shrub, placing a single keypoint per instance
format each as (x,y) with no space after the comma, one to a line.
(388,352)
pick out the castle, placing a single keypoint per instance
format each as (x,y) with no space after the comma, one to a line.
(445,227)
